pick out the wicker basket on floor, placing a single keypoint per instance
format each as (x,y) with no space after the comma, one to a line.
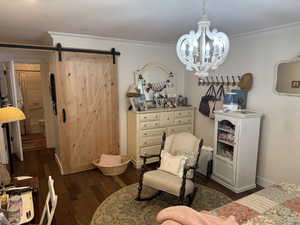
(114,170)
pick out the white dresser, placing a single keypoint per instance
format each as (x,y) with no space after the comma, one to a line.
(145,129)
(236,148)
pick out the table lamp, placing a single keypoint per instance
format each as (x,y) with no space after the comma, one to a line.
(133,91)
(8,115)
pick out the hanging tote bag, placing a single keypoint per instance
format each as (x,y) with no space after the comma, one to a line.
(204,102)
(218,102)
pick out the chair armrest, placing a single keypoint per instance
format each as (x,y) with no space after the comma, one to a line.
(184,178)
(186,169)
(145,157)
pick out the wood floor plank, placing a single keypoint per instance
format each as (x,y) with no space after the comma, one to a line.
(80,194)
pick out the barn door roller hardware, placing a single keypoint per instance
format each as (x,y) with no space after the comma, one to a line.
(60,49)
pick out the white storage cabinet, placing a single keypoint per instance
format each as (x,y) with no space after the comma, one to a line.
(235,149)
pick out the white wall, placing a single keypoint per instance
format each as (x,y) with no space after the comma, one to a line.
(133,55)
(258,53)
(23,56)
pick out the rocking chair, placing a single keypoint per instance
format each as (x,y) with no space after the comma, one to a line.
(183,187)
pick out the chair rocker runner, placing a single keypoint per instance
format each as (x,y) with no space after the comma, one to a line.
(183,187)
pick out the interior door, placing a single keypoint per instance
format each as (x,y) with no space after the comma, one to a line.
(87,96)
(15,129)
(31,85)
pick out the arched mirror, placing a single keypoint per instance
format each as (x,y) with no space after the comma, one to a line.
(154,79)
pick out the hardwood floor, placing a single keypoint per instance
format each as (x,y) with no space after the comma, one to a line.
(80,194)
(33,142)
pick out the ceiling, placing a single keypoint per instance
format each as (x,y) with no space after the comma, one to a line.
(28,21)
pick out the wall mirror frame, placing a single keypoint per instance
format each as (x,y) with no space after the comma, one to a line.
(155,78)
(287,77)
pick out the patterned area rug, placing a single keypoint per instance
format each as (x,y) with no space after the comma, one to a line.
(120,208)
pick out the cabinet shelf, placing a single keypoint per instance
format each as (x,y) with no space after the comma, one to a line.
(224,159)
(226,142)
(226,130)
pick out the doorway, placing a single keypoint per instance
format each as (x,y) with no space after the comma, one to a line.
(30,87)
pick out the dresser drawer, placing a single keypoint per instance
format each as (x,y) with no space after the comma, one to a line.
(149,125)
(153,132)
(185,113)
(149,117)
(166,119)
(179,129)
(149,141)
(183,121)
(153,150)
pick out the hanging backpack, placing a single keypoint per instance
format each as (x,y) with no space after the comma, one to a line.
(218,102)
(206,99)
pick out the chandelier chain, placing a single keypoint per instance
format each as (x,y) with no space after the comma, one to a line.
(204,13)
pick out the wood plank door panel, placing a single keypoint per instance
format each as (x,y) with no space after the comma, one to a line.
(31,85)
(87,92)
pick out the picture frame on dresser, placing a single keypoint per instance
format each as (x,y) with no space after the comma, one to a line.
(137,104)
(133,104)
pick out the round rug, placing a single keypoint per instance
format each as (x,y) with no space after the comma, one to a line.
(121,208)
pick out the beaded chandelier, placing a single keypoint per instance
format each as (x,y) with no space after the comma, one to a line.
(204,50)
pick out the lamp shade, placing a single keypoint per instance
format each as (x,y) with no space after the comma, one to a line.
(11,114)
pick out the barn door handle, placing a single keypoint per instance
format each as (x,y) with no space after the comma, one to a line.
(64,115)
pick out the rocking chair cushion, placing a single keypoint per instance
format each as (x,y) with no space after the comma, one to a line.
(185,144)
(167,182)
(172,163)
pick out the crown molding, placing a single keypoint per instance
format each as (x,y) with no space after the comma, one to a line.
(119,40)
(266,30)
(171,44)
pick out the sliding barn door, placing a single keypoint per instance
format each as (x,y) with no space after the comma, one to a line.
(87,95)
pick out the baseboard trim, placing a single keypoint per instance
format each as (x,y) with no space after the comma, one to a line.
(264,182)
(59,164)
(231,187)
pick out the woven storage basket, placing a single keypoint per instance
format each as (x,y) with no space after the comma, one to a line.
(115,169)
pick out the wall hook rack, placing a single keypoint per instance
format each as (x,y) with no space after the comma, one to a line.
(217,80)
